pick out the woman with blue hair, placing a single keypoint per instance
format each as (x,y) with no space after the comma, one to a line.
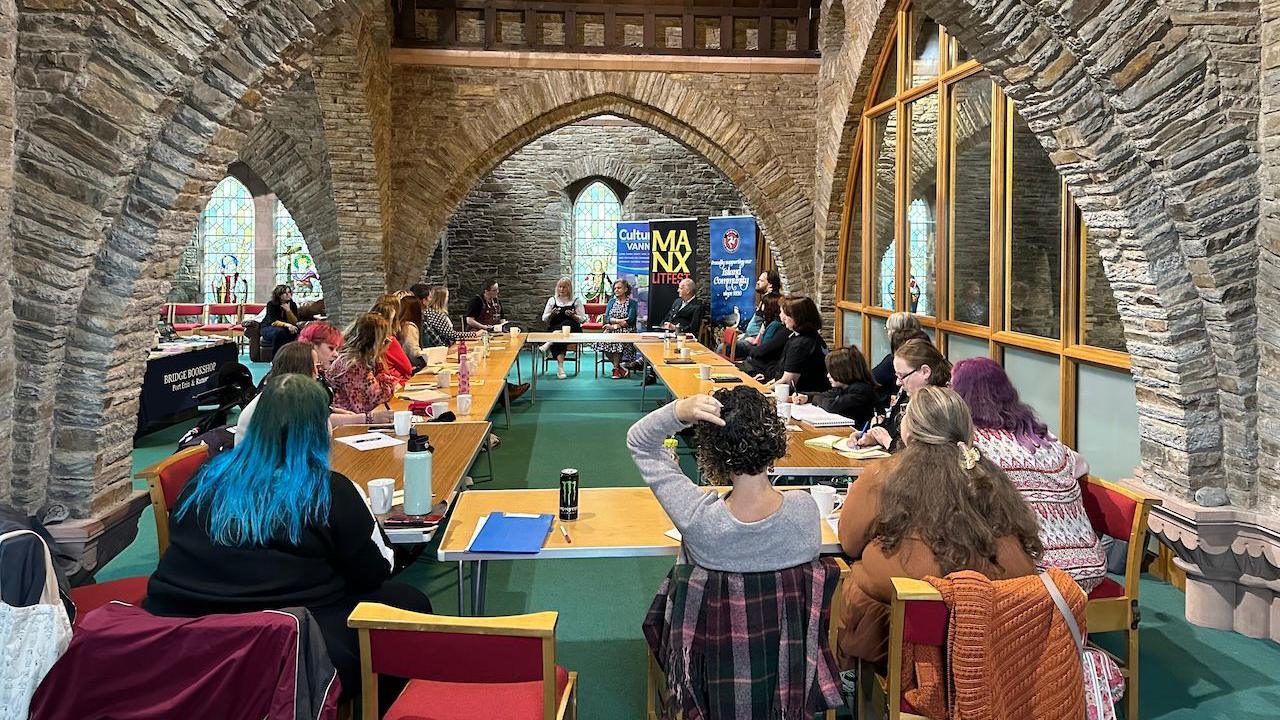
(269,525)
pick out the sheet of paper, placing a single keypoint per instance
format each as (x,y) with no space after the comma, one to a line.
(674,534)
(370,441)
(426,394)
(834,521)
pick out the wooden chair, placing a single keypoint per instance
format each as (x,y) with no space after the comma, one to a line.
(917,615)
(228,324)
(729,343)
(572,354)
(463,667)
(165,480)
(1121,513)
(595,313)
(186,311)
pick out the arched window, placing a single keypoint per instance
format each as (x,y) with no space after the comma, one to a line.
(596,212)
(294,266)
(227,242)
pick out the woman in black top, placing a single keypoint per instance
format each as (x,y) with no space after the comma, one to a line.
(802,365)
(280,324)
(916,363)
(268,525)
(852,392)
(772,339)
(900,327)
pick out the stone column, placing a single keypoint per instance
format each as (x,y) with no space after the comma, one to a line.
(264,242)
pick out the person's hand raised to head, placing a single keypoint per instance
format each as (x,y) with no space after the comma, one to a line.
(699,408)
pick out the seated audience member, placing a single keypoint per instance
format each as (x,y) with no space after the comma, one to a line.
(754,528)
(936,508)
(280,317)
(358,376)
(397,362)
(326,339)
(852,393)
(803,362)
(769,284)
(485,310)
(1045,471)
(563,308)
(685,315)
(771,339)
(619,317)
(899,322)
(436,329)
(409,332)
(269,525)
(916,364)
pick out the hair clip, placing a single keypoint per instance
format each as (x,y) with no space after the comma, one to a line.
(969,456)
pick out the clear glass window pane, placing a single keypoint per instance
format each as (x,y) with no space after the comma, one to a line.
(925,49)
(1100,326)
(1035,255)
(922,206)
(851,329)
(596,213)
(963,347)
(853,247)
(226,232)
(889,81)
(879,341)
(883,159)
(970,132)
(1107,421)
(294,265)
(1035,375)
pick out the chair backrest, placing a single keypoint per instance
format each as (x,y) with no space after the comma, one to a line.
(595,310)
(729,339)
(514,649)
(187,310)
(225,310)
(917,616)
(247,309)
(165,481)
(1123,514)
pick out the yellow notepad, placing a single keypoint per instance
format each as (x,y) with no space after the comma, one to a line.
(825,442)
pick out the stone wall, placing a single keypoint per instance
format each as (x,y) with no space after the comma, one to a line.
(522,209)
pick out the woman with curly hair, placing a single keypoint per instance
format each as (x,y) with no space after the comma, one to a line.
(754,527)
(938,507)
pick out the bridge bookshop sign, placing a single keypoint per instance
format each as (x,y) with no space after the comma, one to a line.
(671,259)
(176,375)
(733,267)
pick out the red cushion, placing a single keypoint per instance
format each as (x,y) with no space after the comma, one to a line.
(238,326)
(1109,512)
(1108,589)
(175,475)
(183,327)
(218,327)
(91,597)
(925,622)
(592,326)
(431,700)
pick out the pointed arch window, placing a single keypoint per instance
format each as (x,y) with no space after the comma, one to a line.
(225,234)
(596,213)
(294,264)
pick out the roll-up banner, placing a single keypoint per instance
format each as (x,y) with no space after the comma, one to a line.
(633,261)
(733,266)
(670,261)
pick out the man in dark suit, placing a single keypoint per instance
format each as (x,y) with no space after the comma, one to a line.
(685,314)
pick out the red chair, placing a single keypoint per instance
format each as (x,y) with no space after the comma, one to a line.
(729,343)
(87,598)
(229,323)
(463,667)
(595,317)
(165,480)
(1121,513)
(181,314)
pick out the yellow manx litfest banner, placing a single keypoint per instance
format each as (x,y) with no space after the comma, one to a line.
(671,258)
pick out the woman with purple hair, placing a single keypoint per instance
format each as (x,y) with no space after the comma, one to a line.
(1007,432)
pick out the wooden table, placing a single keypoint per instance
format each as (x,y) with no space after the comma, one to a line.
(491,372)
(456,446)
(683,381)
(581,338)
(612,522)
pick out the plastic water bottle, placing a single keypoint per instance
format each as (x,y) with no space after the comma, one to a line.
(417,475)
(464,369)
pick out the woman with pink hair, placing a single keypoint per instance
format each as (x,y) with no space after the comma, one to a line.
(1007,432)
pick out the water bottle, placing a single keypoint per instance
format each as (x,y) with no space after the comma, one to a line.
(417,475)
(464,370)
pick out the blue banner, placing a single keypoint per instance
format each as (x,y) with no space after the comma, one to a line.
(633,261)
(733,267)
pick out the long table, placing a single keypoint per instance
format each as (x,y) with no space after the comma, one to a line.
(488,380)
(612,522)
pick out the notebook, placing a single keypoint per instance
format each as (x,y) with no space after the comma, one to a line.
(825,442)
(860,453)
(511,533)
(818,417)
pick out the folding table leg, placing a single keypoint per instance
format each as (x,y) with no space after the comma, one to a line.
(477,588)
(506,400)
(533,371)
(644,376)
(462,585)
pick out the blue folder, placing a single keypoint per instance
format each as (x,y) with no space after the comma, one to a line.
(503,533)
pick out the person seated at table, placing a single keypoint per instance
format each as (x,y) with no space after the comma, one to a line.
(326,339)
(764,355)
(280,317)
(485,310)
(396,360)
(436,329)
(802,364)
(1045,471)
(619,317)
(358,376)
(563,308)
(938,507)
(409,332)
(852,393)
(685,315)
(916,364)
(899,322)
(769,284)
(753,528)
(270,525)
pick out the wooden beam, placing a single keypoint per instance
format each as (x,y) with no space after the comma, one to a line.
(603,61)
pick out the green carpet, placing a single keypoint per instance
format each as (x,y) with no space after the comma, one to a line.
(1188,673)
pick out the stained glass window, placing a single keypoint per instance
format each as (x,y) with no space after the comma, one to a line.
(226,235)
(294,266)
(596,213)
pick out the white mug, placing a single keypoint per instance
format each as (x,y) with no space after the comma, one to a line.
(403,420)
(704,372)
(380,495)
(784,410)
(782,391)
(464,403)
(444,379)
(439,408)
(825,496)
(680,343)
(565,330)
(515,331)
(684,353)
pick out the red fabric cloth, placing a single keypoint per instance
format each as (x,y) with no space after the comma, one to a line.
(430,700)
(397,362)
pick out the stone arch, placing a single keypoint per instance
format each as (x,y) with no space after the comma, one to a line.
(586,167)
(166,113)
(657,101)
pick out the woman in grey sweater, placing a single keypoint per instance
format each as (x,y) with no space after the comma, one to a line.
(753,527)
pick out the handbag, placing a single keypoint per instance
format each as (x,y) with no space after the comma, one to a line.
(1103,681)
(32,638)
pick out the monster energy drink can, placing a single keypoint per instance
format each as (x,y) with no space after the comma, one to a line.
(569,494)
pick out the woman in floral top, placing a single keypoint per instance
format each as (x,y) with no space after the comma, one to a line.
(358,374)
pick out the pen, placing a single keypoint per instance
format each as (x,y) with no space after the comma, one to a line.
(368,439)
(565,533)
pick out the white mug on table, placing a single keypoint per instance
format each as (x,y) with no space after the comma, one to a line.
(403,420)
(782,391)
(439,408)
(464,404)
(825,496)
(444,379)
(784,410)
(704,372)
(381,493)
